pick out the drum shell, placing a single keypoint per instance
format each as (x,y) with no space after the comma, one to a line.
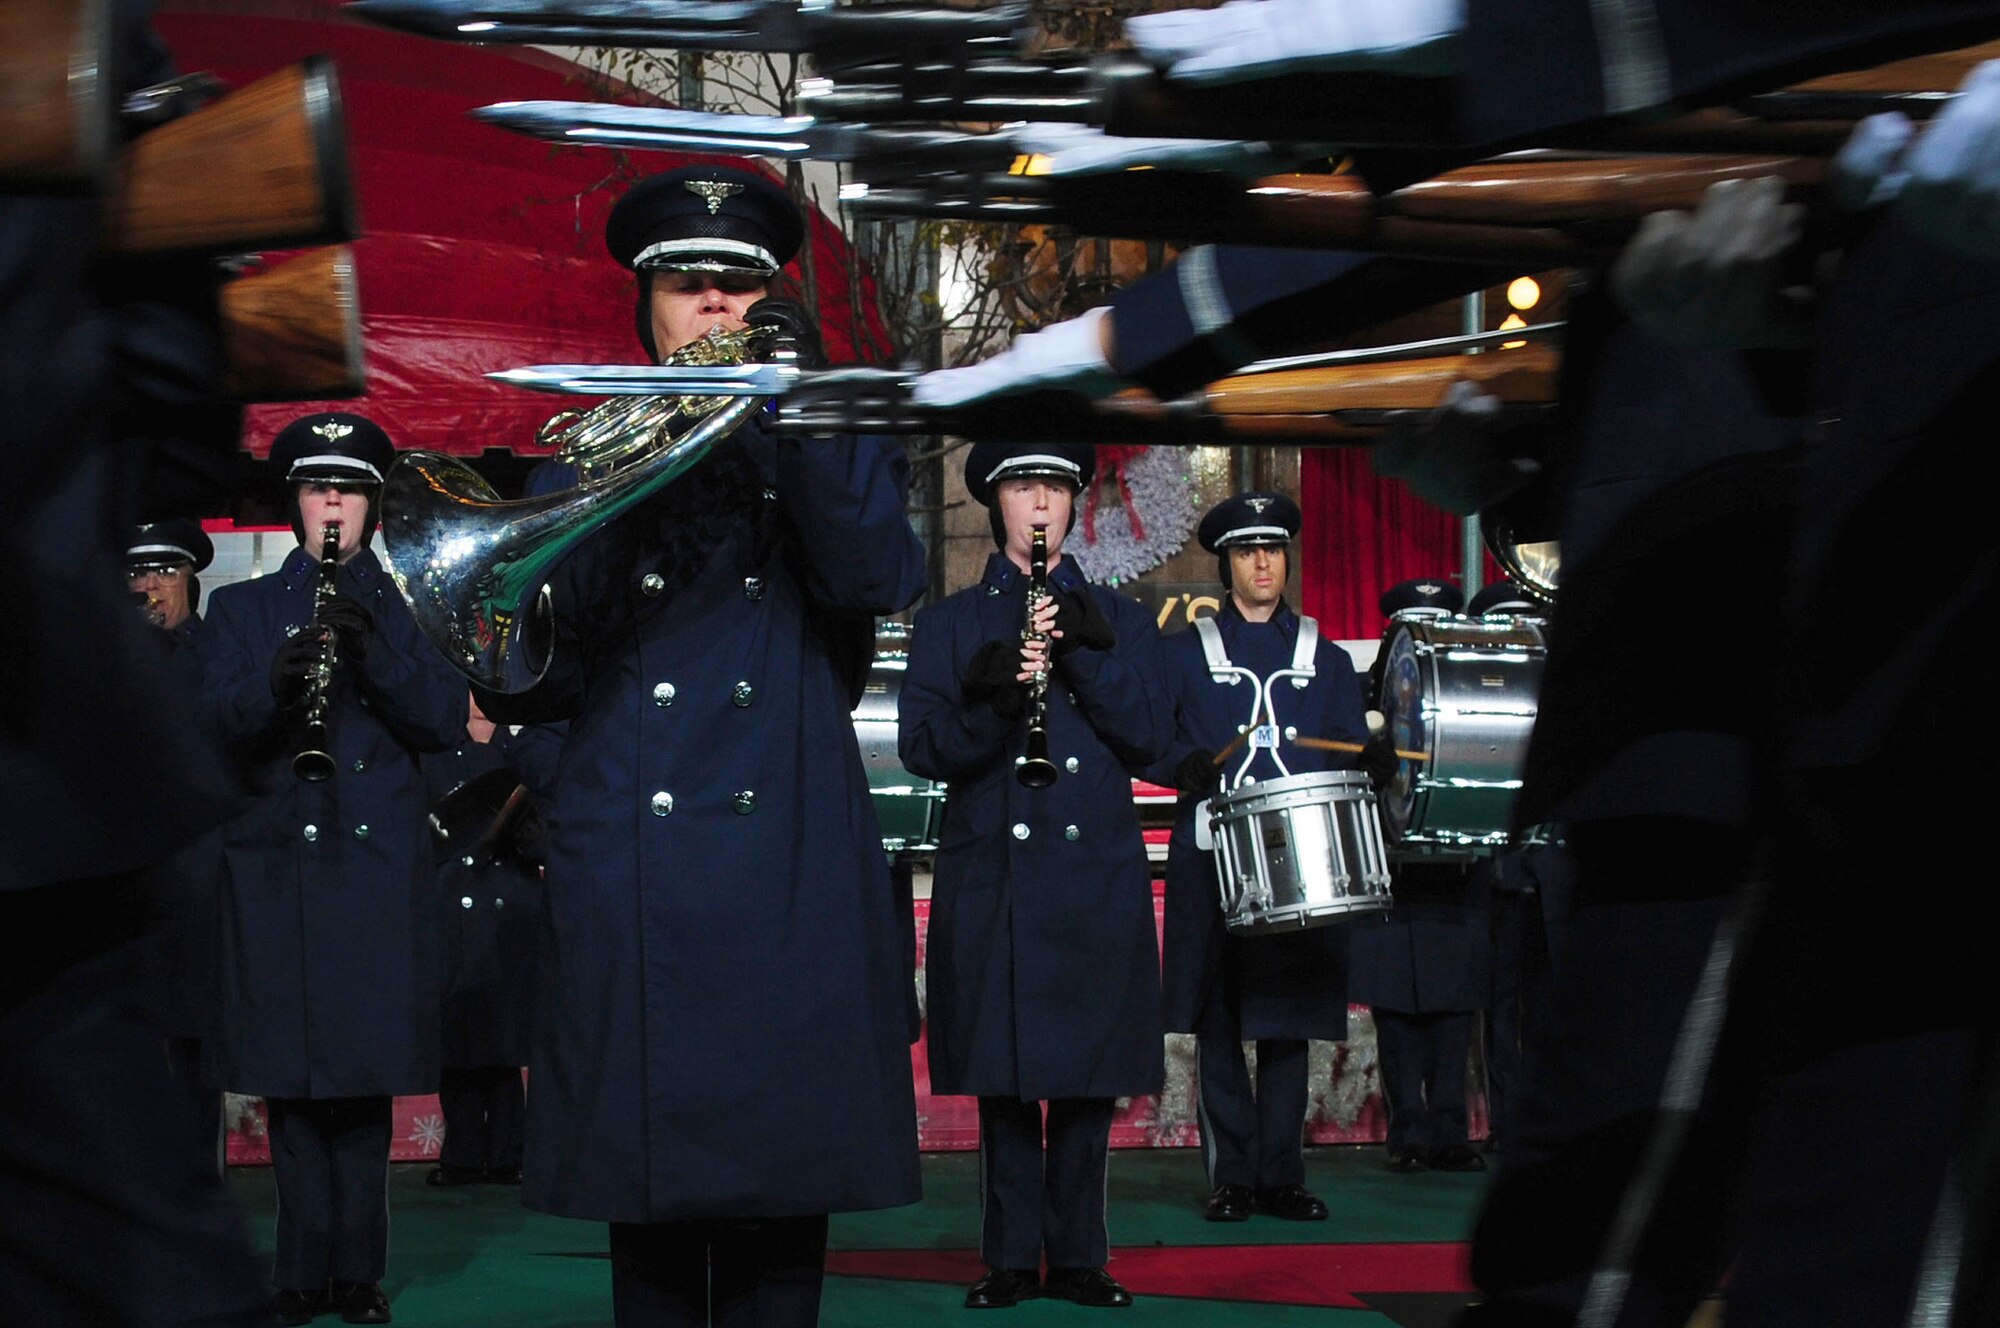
(1312,843)
(1464,691)
(910,810)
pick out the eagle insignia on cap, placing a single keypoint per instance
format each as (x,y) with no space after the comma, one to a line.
(333,430)
(713,192)
(1258,505)
(1429,588)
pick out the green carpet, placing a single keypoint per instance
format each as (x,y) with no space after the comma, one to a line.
(1391,1254)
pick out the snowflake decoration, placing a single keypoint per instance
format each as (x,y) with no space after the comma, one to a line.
(1163,500)
(427,1133)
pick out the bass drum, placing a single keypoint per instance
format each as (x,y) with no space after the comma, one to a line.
(1463,692)
(909,809)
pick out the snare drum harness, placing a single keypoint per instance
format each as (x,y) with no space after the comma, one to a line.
(1264,735)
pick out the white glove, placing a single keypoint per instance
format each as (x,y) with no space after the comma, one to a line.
(1945,181)
(1248,39)
(1064,355)
(1713,279)
(1448,459)
(1081,150)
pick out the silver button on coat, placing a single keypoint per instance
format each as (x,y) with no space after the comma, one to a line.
(663,802)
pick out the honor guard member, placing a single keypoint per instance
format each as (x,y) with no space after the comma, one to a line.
(1278,990)
(1421,968)
(162,559)
(724,942)
(490,842)
(1043,969)
(329,991)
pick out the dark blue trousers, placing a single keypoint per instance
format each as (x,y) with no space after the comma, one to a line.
(1517,1009)
(331,1162)
(204,1103)
(756,1273)
(1253,1138)
(1422,1059)
(1036,1199)
(484,1113)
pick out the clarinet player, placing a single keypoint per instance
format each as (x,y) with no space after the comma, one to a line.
(1043,966)
(328,990)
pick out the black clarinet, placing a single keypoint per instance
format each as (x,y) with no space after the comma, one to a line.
(1035,769)
(314,763)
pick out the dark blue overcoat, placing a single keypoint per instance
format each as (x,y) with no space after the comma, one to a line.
(1287,986)
(1042,967)
(1431,952)
(491,916)
(723,949)
(329,946)
(182,887)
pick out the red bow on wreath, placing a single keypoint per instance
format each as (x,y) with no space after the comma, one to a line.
(1112,459)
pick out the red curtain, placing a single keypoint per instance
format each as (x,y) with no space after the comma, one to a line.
(1362,535)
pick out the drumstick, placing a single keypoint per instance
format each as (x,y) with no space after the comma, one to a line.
(1234,744)
(1334,745)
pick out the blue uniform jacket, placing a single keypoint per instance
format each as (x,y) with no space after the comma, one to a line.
(329,949)
(1043,970)
(491,917)
(722,941)
(1287,986)
(1432,952)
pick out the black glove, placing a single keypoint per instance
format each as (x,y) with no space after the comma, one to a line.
(293,665)
(1082,623)
(1379,759)
(795,330)
(352,624)
(990,677)
(1198,774)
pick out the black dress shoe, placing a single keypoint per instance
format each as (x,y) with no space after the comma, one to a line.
(444,1174)
(1403,1161)
(1003,1288)
(1087,1286)
(1230,1203)
(360,1302)
(1294,1203)
(1455,1157)
(293,1308)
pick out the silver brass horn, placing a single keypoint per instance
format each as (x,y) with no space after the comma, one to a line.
(474,567)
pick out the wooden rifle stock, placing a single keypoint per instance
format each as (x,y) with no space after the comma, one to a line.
(293,332)
(56,111)
(1516,377)
(265,167)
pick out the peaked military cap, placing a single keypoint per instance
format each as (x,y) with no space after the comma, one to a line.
(986,464)
(332,447)
(164,543)
(706,219)
(1502,597)
(1249,518)
(1425,593)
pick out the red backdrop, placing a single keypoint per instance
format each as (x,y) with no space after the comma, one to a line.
(1362,535)
(481,249)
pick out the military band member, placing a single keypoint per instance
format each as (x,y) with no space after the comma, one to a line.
(723,940)
(329,993)
(484,802)
(1281,990)
(161,562)
(1042,962)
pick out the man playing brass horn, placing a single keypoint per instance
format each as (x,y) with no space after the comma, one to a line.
(724,944)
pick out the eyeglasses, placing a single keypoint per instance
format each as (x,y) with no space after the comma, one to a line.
(166,575)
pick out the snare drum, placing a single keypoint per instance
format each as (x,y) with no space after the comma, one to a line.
(1463,692)
(1300,851)
(910,810)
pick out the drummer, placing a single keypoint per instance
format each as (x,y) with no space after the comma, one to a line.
(1278,990)
(1421,969)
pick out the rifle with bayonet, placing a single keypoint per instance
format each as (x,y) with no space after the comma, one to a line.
(830,32)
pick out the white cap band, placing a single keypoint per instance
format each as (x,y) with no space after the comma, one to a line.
(334,462)
(1254,535)
(140,551)
(1038,463)
(662,255)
